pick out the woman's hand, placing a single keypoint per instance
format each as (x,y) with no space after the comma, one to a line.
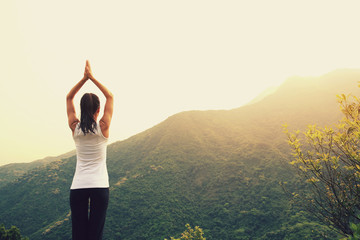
(88,73)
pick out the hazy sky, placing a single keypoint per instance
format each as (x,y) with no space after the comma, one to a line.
(157,57)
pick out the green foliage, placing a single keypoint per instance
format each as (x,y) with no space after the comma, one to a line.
(11,172)
(328,160)
(191,234)
(356,231)
(12,233)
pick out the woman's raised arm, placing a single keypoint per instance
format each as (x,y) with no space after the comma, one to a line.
(70,108)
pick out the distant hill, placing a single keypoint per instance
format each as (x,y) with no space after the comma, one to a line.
(216,169)
(12,171)
(262,95)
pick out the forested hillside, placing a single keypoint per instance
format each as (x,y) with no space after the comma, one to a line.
(12,171)
(217,169)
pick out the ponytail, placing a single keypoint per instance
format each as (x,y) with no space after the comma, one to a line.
(89,104)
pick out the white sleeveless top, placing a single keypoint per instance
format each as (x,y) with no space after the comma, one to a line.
(91,170)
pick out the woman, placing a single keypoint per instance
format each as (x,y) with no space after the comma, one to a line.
(90,184)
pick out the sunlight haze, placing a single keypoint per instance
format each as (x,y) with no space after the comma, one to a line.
(158,58)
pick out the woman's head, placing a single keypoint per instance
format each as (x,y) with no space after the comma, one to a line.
(89,105)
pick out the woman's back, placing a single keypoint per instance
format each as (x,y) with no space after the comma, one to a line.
(91,171)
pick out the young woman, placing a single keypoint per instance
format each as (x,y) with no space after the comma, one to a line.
(90,186)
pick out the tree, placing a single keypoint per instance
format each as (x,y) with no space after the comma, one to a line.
(328,159)
(10,234)
(191,234)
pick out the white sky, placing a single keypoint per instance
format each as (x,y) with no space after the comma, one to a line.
(157,57)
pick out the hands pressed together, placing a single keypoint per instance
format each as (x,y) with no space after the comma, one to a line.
(88,73)
(108,108)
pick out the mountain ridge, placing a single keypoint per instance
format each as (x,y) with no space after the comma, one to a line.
(324,77)
(11,171)
(219,169)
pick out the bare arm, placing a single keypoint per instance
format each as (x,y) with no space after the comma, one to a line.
(109,104)
(70,108)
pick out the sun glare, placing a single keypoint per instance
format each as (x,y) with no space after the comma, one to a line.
(158,58)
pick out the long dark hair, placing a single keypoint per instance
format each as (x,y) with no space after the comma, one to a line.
(89,104)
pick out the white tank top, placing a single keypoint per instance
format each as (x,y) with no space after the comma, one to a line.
(91,170)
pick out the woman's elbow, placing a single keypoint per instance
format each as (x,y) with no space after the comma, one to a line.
(110,96)
(69,97)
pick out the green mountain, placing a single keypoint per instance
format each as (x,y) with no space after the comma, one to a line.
(12,171)
(216,169)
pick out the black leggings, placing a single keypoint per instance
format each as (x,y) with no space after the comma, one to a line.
(88,225)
